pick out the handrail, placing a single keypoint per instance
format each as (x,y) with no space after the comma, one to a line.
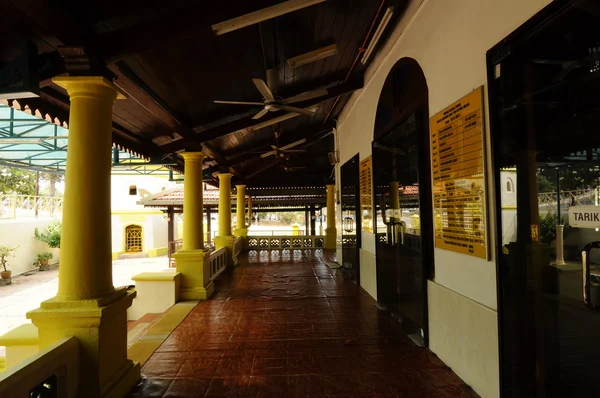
(17,206)
(53,370)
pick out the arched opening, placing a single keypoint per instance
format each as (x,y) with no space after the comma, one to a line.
(403,196)
(133,239)
(509,185)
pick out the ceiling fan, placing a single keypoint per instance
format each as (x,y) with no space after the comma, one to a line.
(280,152)
(271,103)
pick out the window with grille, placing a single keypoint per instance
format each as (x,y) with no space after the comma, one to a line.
(133,239)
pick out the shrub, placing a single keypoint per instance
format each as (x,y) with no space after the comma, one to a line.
(51,235)
(5,252)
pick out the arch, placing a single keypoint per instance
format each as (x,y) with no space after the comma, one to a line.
(401,159)
(133,238)
(404,92)
(510,186)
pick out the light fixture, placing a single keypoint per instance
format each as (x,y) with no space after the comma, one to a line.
(262,15)
(348,224)
(380,29)
(312,56)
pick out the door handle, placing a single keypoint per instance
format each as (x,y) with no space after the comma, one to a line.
(587,279)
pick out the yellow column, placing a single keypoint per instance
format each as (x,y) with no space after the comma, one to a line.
(87,306)
(224,204)
(191,261)
(242,228)
(330,231)
(225,238)
(193,208)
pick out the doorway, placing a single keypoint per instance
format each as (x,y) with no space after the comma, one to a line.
(351,219)
(402,180)
(544,82)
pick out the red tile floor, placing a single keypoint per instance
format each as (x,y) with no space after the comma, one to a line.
(290,326)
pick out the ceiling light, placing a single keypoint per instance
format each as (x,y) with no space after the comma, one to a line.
(262,15)
(380,29)
(312,56)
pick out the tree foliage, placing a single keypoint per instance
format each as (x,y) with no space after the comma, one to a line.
(17,181)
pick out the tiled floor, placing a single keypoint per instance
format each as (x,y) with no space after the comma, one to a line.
(289,326)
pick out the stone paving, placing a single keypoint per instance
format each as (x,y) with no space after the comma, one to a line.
(26,292)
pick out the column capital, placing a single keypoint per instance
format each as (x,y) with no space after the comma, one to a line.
(191,156)
(224,176)
(242,186)
(88,86)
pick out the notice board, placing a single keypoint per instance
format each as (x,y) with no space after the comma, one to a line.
(366,193)
(458,165)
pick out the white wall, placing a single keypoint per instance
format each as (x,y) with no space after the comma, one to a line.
(20,232)
(449,39)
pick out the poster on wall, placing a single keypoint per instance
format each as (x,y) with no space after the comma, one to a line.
(366,193)
(458,166)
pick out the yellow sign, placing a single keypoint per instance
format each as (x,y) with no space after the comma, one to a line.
(458,163)
(366,193)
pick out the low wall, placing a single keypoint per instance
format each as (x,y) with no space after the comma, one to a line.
(20,232)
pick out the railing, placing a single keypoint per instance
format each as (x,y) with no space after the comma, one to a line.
(24,206)
(218,263)
(52,372)
(238,246)
(287,232)
(286,242)
(175,245)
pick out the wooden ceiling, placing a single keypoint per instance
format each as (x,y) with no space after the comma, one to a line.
(172,63)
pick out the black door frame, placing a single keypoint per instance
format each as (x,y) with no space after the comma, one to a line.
(357,213)
(494,56)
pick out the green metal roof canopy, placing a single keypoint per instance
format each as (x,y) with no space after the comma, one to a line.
(26,141)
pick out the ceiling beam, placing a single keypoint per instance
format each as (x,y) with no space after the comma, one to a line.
(262,15)
(252,124)
(186,23)
(214,154)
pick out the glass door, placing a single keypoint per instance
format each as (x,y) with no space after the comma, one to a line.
(545,109)
(402,198)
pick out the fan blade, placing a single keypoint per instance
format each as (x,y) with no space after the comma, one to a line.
(293,109)
(238,103)
(293,150)
(274,147)
(264,89)
(293,144)
(267,154)
(305,96)
(260,114)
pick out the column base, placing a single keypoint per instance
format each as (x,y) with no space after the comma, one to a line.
(243,232)
(330,238)
(194,266)
(100,326)
(227,243)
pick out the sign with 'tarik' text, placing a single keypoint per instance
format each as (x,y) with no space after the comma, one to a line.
(584,216)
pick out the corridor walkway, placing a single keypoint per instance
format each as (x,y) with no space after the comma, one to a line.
(290,326)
